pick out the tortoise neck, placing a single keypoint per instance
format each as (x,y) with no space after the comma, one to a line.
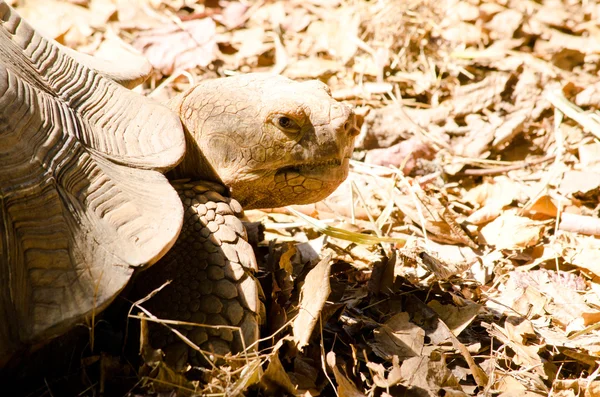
(194,164)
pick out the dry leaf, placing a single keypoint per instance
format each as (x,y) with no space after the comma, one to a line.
(589,155)
(499,192)
(180,46)
(508,384)
(456,318)
(583,252)
(336,36)
(421,373)
(389,125)
(312,68)
(504,24)
(398,337)
(544,205)
(510,231)
(444,261)
(524,355)
(275,378)
(579,182)
(285,262)
(233,15)
(439,220)
(403,155)
(67,23)
(492,196)
(473,98)
(314,293)
(345,387)
(393,378)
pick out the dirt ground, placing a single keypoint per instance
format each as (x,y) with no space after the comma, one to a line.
(460,258)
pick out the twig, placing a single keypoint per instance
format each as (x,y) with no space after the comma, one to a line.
(507,168)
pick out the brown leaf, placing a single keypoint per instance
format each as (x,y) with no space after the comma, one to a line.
(180,47)
(398,337)
(510,231)
(285,262)
(403,155)
(579,182)
(275,378)
(544,205)
(233,15)
(511,126)
(499,192)
(590,96)
(393,378)
(492,196)
(312,68)
(314,293)
(439,220)
(457,318)
(524,354)
(424,373)
(473,98)
(336,36)
(589,155)
(504,24)
(345,386)
(444,261)
(67,23)
(389,125)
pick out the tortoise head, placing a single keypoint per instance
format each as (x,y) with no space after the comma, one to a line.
(271,140)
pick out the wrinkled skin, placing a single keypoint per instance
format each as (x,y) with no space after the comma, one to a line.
(290,144)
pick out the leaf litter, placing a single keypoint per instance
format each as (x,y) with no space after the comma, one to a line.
(461,256)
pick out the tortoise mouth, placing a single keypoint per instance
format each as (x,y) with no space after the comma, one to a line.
(314,168)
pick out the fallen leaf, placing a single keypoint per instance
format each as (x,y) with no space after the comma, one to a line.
(398,337)
(579,182)
(504,24)
(67,23)
(181,46)
(457,318)
(443,260)
(589,155)
(285,262)
(345,386)
(233,15)
(312,68)
(474,97)
(422,373)
(275,379)
(403,155)
(314,293)
(389,125)
(523,354)
(336,36)
(510,231)
(439,220)
(393,377)
(544,205)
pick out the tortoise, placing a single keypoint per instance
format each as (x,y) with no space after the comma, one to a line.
(98,182)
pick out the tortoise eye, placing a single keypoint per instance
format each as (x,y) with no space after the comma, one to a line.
(286,124)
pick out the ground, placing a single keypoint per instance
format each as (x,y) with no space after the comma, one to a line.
(461,256)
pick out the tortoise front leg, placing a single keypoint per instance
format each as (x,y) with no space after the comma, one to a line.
(211,270)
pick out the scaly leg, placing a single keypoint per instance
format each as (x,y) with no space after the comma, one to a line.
(211,267)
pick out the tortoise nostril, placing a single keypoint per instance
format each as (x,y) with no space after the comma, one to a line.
(350,127)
